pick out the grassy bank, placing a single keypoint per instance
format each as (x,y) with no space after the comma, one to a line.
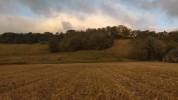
(38,53)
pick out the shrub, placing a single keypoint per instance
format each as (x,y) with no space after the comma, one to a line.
(148,49)
(53,45)
(171,56)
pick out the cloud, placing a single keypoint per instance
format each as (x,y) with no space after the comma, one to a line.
(16,24)
(167,6)
(48,7)
(60,15)
(25,24)
(8,7)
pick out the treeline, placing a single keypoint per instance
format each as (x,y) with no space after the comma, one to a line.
(30,37)
(116,32)
(148,45)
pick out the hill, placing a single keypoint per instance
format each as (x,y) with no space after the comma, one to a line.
(122,48)
(38,53)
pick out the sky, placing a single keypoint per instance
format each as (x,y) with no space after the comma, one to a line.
(62,15)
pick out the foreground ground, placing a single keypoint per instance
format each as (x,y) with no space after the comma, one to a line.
(90,81)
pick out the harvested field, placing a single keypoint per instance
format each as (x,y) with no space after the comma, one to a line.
(90,81)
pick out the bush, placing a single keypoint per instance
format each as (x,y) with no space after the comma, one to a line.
(148,49)
(53,45)
(171,56)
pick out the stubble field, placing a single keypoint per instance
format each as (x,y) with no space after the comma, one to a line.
(90,81)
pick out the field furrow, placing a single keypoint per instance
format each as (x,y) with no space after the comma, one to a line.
(90,81)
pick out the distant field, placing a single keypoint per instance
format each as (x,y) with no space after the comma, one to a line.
(94,81)
(38,54)
(23,49)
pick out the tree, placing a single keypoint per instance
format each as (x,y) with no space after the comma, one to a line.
(173,36)
(145,34)
(149,49)
(162,35)
(91,39)
(123,31)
